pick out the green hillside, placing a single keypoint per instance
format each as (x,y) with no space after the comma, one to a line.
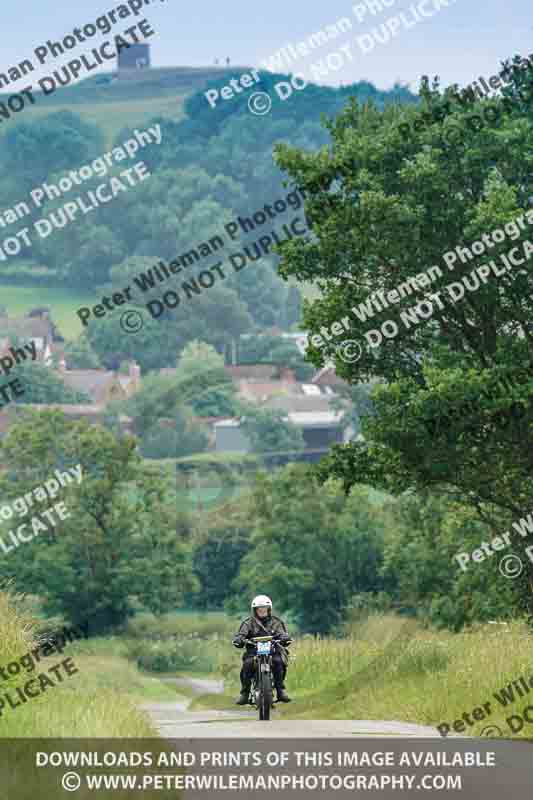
(114,103)
(215,153)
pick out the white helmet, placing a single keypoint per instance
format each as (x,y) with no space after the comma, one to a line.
(261,600)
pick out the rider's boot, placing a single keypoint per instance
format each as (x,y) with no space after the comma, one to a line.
(283,697)
(244,696)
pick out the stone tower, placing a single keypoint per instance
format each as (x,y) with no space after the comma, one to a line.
(135,57)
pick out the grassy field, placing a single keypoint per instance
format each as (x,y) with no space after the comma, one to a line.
(63,304)
(114,104)
(95,705)
(391,668)
(113,115)
(211,480)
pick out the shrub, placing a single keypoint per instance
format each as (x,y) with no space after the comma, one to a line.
(147,626)
(186,655)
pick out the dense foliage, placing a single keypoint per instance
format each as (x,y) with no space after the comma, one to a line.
(447,440)
(123,546)
(42,386)
(453,408)
(321,554)
(212,166)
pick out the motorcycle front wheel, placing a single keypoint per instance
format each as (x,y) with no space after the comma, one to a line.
(265,695)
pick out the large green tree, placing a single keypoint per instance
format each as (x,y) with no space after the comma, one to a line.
(163,422)
(42,386)
(217,555)
(384,207)
(32,150)
(312,548)
(422,574)
(215,316)
(80,355)
(211,391)
(122,545)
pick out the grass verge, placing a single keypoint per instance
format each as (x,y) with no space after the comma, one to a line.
(391,668)
(100,699)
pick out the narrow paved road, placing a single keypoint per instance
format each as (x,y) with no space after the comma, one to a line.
(173,720)
(511,779)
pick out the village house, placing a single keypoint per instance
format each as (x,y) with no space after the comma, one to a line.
(308,406)
(102,386)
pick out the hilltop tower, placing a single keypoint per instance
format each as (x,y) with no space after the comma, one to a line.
(135,57)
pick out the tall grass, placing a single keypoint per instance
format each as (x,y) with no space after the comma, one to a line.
(318,663)
(97,703)
(173,655)
(100,700)
(392,668)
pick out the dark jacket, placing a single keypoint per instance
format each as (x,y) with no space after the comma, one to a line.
(250,627)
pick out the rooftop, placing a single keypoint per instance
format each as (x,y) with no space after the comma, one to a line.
(93,382)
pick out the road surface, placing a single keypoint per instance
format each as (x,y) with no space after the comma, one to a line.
(511,779)
(174,720)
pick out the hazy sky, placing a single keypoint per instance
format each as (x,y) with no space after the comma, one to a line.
(459,43)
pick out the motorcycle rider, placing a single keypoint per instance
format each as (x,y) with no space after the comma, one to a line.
(262,623)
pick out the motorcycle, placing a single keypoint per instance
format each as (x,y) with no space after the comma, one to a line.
(262,689)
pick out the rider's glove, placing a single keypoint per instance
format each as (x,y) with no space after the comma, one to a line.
(285,639)
(238,641)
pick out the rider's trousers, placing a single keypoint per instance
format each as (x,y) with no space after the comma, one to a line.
(279,671)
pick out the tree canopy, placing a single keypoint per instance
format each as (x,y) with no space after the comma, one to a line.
(123,544)
(453,409)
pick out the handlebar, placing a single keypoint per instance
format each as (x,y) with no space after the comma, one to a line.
(257,639)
